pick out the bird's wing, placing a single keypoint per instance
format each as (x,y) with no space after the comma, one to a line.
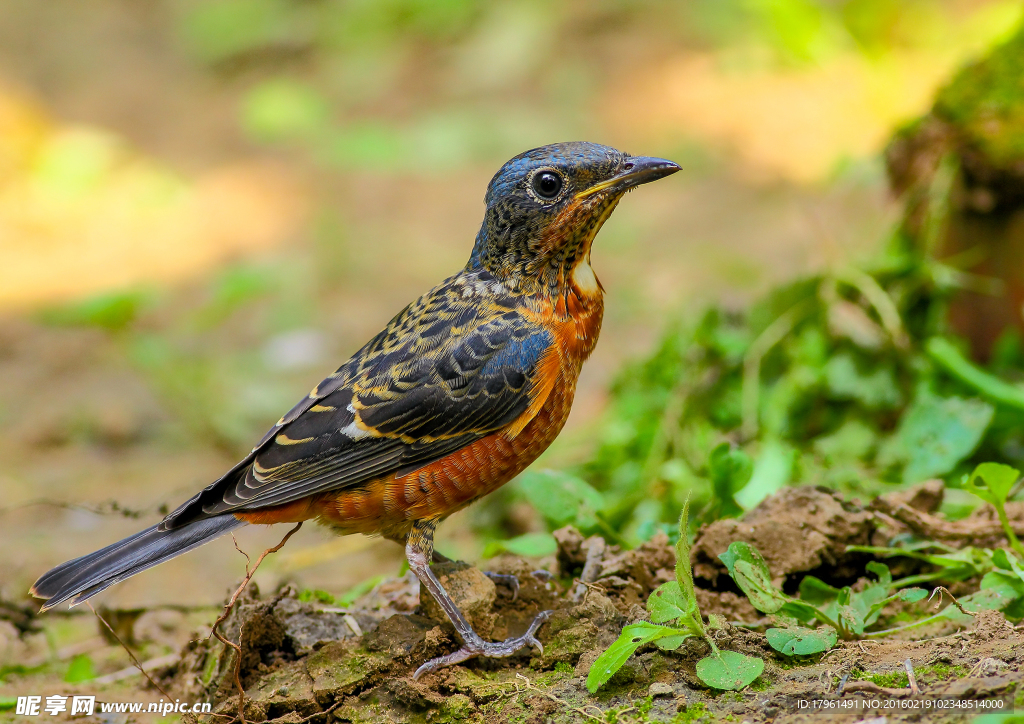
(451,368)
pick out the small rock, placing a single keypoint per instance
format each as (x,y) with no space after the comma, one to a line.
(292,717)
(568,644)
(926,496)
(398,635)
(989,667)
(570,549)
(659,689)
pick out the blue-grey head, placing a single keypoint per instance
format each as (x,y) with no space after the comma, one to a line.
(545,206)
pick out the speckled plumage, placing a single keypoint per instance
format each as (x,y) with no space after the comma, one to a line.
(460,392)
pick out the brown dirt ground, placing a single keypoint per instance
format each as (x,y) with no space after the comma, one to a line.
(306,661)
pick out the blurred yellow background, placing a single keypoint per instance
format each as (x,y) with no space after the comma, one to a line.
(206,205)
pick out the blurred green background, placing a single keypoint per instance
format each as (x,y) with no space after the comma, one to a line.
(206,205)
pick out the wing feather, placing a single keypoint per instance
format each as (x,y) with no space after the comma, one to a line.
(449,369)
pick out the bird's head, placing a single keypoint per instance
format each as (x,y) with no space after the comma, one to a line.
(545,206)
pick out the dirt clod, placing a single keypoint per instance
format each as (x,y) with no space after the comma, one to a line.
(797,530)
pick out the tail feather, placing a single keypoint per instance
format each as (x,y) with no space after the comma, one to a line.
(82,578)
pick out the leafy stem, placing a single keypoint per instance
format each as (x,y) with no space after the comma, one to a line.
(992,482)
(675,617)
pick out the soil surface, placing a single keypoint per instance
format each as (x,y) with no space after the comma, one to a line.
(303,661)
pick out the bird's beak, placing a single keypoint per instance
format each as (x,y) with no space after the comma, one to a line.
(637,170)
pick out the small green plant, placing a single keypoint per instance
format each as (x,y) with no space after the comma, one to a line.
(309,595)
(676,617)
(80,669)
(951,564)
(992,483)
(1003,587)
(844,613)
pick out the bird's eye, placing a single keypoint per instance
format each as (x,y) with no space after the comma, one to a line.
(547,184)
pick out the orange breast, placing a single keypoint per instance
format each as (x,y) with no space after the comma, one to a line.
(389,506)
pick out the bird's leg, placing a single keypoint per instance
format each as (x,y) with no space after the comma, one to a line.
(419,549)
(505,579)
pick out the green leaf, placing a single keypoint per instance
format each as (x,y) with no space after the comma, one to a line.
(1001,559)
(1008,592)
(530,545)
(992,387)
(729,469)
(632,637)
(996,482)
(864,607)
(875,390)
(667,603)
(729,466)
(308,595)
(912,595)
(816,591)
(729,670)
(854,440)
(113,312)
(956,565)
(881,571)
(562,498)
(748,569)
(935,434)
(800,641)
(349,597)
(992,482)
(684,574)
(802,611)
(282,109)
(671,643)
(1001,581)
(81,669)
(773,469)
(1015,565)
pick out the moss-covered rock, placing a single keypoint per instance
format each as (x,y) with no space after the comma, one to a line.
(960,171)
(282,691)
(341,668)
(985,103)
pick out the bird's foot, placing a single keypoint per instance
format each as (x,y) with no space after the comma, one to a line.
(505,579)
(476,646)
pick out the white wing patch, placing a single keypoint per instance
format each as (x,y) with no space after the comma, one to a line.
(353,432)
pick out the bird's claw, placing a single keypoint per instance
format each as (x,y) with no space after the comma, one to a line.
(512,581)
(476,646)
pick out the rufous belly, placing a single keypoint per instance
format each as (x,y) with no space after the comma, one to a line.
(389,506)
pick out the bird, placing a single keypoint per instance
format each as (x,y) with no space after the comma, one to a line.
(461,391)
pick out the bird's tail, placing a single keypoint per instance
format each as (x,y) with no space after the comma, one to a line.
(84,577)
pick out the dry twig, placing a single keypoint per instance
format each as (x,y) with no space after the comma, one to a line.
(871,687)
(135,661)
(911,678)
(249,573)
(582,711)
(943,589)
